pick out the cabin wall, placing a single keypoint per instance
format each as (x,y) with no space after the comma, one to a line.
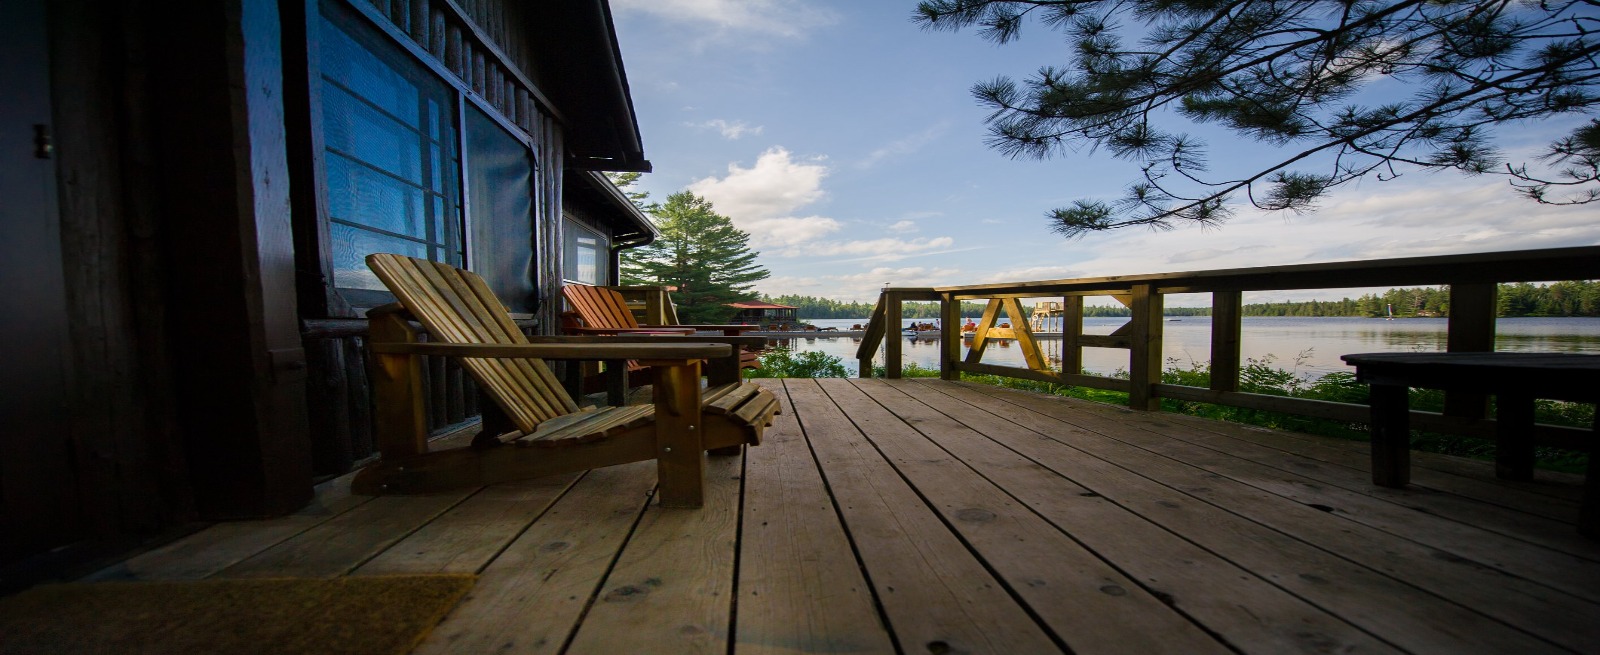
(479,49)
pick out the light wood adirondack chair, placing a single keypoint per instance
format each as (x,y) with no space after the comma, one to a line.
(547,432)
(601,310)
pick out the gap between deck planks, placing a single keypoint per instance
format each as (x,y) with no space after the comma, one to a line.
(1525,605)
(1229,601)
(886,516)
(801,588)
(1543,552)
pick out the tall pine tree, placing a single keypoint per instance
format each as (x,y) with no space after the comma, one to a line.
(702,254)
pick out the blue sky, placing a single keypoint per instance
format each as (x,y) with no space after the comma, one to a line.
(844,139)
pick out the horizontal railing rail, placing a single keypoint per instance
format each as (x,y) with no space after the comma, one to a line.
(1472,279)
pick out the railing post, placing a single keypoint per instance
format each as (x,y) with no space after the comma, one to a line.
(1144,366)
(1071,329)
(874,336)
(1226,314)
(893,339)
(950,340)
(1470,329)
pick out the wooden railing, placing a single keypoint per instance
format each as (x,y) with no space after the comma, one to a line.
(1472,280)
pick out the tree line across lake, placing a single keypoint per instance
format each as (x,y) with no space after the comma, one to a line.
(1570,298)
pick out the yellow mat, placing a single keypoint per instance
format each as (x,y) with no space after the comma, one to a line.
(381,614)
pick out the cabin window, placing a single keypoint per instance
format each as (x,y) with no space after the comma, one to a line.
(390,156)
(500,210)
(585,256)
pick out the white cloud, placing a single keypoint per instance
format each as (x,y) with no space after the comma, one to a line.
(774,187)
(1047,272)
(763,199)
(903,146)
(869,250)
(1430,216)
(782,18)
(787,232)
(729,130)
(859,287)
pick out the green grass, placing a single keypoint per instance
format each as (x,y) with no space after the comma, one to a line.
(1264,377)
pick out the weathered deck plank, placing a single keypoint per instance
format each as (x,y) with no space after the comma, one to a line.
(1088,604)
(937,596)
(800,586)
(1245,611)
(1430,471)
(917,515)
(220,546)
(1399,613)
(1532,608)
(531,598)
(671,590)
(339,545)
(467,538)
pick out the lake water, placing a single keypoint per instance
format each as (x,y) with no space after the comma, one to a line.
(1309,346)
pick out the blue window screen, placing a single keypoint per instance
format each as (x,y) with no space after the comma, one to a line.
(390,154)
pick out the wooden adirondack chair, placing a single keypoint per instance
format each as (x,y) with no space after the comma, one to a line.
(546,431)
(600,310)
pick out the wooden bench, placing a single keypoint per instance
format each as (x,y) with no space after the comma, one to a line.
(1515,379)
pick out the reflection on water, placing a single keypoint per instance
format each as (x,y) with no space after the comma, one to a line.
(1316,343)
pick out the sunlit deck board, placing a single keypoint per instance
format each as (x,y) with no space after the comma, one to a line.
(927,516)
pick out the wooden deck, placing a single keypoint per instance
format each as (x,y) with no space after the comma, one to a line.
(921,516)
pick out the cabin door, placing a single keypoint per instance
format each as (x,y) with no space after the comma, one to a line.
(39,506)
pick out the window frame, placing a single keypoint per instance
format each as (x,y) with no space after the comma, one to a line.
(346,301)
(602,251)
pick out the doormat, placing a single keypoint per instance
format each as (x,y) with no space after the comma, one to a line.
(386,615)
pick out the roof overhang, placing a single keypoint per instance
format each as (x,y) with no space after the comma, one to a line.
(630,228)
(578,66)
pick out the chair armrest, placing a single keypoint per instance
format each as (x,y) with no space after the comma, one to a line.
(639,330)
(561,351)
(731,330)
(748,342)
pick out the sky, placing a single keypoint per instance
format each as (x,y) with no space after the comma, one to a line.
(846,141)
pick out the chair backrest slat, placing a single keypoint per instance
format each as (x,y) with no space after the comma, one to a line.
(457,306)
(600,307)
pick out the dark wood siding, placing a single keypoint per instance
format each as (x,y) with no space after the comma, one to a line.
(481,48)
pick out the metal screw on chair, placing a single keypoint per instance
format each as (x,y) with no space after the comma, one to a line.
(668,449)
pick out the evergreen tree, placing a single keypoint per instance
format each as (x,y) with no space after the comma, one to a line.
(702,254)
(1292,74)
(624,183)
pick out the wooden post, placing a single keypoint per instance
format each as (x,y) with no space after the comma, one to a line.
(680,442)
(950,341)
(1144,365)
(1391,436)
(401,419)
(876,328)
(1513,431)
(1470,329)
(1071,329)
(893,341)
(980,338)
(1589,512)
(1226,312)
(1024,335)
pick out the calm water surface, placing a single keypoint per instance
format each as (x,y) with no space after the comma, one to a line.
(1310,346)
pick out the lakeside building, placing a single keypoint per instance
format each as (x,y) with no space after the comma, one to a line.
(764,314)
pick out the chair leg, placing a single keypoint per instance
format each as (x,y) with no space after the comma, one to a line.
(495,423)
(680,463)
